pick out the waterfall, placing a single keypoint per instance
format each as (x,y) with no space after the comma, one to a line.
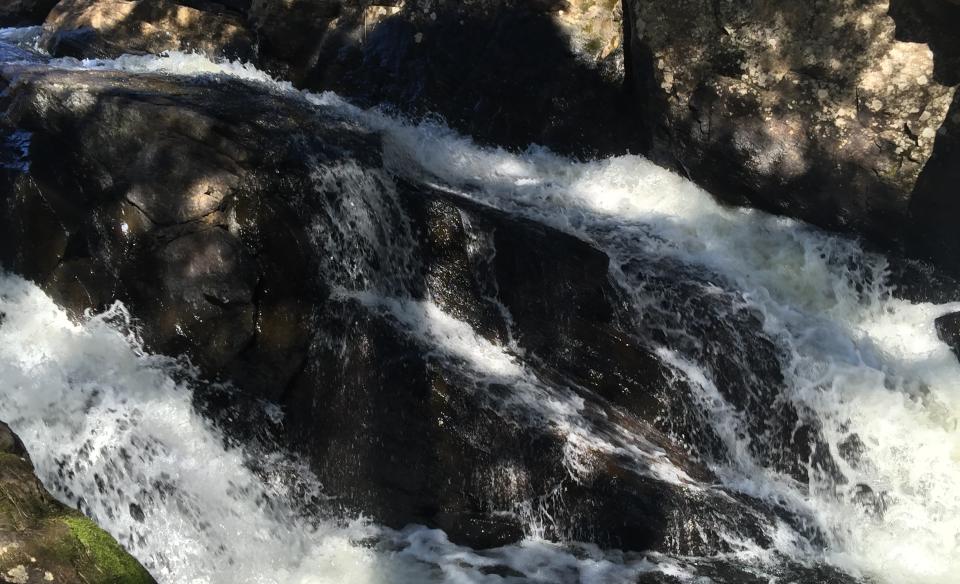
(112,428)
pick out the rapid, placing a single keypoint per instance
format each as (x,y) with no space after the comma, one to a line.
(113,430)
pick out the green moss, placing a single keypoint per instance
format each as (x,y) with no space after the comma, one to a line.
(594,45)
(111,563)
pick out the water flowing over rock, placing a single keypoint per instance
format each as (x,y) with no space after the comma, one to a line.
(395,355)
(839,114)
(41,540)
(263,236)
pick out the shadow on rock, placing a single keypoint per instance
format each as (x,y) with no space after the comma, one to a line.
(504,73)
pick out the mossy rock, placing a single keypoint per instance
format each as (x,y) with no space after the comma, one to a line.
(43,541)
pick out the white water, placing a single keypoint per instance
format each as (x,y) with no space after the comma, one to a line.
(862,360)
(86,400)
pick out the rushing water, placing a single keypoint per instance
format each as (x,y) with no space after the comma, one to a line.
(85,397)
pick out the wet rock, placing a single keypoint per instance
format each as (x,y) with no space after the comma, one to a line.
(948,329)
(547,72)
(42,541)
(24,12)
(262,236)
(110,28)
(478,463)
(706,323)
(152,195)
(825,111)
(918,280)
(562,312)
(728,572)
(839,115)
(10,443)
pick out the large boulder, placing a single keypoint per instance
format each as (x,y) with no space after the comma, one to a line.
(110,28)
(41,540)
(828,111)
(24,12)
(167,178)
(264,237)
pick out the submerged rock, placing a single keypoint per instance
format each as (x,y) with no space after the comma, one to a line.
(43,541)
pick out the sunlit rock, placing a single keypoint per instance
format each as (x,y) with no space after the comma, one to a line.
(109,28)
(828,111)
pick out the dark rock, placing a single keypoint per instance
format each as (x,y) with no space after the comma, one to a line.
(507,73)
(948,329)
(466,468)
(245,257)
(932,22)
(725,571)
(502,571)
(706,322)
(837,115)
(291,33)
(24,12)
(852,449)
(934,204)
(10,443)
(563,313)
(918,280)
(161,180)
(481,531)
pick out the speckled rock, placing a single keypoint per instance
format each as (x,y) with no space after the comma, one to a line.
(826,110)
(42,541)
(109,28)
